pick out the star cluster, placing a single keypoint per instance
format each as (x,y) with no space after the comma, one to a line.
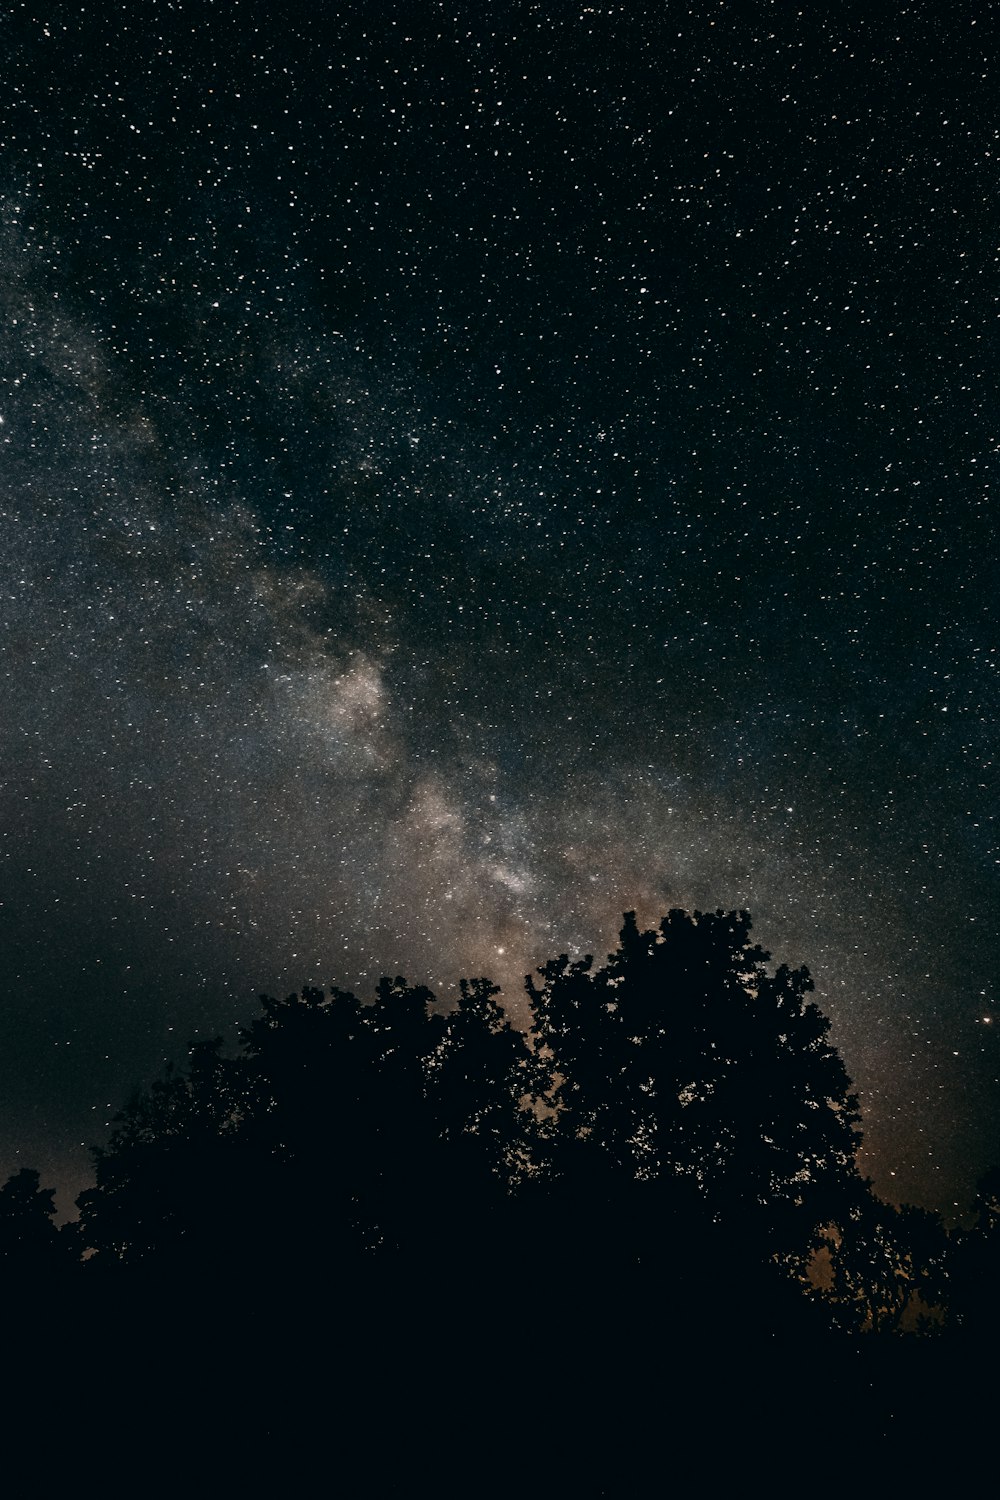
(470,472)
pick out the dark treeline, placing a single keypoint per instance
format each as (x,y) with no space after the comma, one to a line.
(659,1176)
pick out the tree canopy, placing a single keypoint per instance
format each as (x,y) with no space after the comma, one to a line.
(674,1124)
(684,1064)
(629,1203)
(680,1105)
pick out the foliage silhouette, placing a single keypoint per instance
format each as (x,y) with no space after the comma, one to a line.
(172,1177)
(30,1243)
(887,1264)
(973,1266)
(342,1132)
(674,1130)
(698,1119)
(646,1205)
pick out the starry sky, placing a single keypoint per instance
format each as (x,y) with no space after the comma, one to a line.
(469,470)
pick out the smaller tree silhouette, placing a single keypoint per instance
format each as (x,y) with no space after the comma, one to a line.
(973,1265)
(30,1243)
(888,1265)
(174,1182)
(342,1133)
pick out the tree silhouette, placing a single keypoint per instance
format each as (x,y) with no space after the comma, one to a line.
(176,1178)
(644,1211)
(973,1265)
(886,1263)
(30,1243)
(675,1121)
(689,1087)
(342,1131)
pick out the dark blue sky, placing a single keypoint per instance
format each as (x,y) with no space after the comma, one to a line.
(467,473)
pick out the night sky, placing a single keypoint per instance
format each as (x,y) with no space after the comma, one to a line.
(469,470)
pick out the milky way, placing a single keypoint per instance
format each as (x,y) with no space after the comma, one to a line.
(468,472)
